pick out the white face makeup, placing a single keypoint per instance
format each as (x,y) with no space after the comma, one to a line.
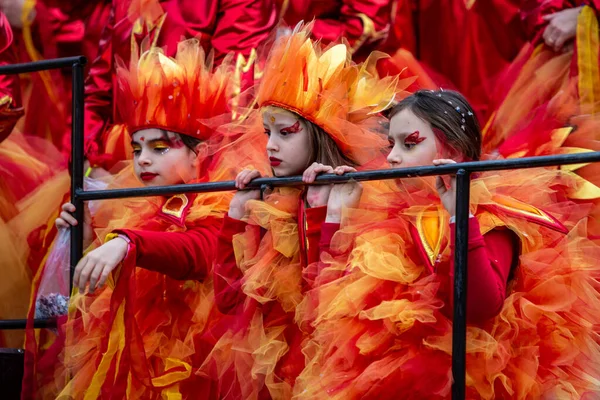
(412,141)
(288,145)
(161,158)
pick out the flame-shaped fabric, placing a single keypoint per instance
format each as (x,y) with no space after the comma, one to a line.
(178,94)
(327,89)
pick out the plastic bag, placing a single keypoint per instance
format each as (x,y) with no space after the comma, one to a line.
(53,293)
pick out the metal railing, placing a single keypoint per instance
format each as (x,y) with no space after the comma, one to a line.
(463,173)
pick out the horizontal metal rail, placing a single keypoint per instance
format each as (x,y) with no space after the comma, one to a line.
(462,170)
(474,166)
(43,65)
(39,323)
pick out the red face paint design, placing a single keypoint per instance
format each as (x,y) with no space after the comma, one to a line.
(414,138)
(292,129)
(142,139)
(173,140)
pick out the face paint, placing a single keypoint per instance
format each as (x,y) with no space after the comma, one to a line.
(292,129)
(173,140)
(414,138)
(142,139)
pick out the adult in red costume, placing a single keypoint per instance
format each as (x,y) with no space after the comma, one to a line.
(383,25)
(469,43)
(47,29)
(227,26)
(364,24)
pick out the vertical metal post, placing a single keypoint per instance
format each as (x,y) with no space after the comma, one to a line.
(77,159)
(459,324)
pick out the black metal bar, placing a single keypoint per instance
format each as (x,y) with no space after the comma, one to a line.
(41,65)
(77,168)
(459,322)
(416,16)
(42,323)
(476,166)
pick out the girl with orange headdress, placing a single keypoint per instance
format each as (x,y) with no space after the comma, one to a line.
(380,304)
(138,335)
(316,108)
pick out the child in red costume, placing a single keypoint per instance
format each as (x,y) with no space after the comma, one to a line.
(223,27)
(150,320)
(381,305)
(313,111)
(467,44)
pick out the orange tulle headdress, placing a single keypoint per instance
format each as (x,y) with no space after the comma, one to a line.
(327,89)
(180,94)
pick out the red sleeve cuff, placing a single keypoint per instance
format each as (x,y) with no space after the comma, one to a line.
(328,229)
(231,227)
(315,217)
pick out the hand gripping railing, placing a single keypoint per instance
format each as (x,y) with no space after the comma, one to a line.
(463,174)
(77,64)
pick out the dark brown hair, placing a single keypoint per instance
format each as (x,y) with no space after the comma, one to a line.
(323,148)
(189,141)
(451,118)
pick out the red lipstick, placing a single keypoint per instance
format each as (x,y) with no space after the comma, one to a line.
(274,161)
(147,176)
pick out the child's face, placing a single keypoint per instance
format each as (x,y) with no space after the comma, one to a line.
(412,141)
(161,158)
(288,145)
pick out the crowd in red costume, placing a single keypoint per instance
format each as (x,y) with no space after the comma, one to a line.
(486,50)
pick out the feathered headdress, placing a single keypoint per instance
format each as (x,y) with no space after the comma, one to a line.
(327,89)
(177,94)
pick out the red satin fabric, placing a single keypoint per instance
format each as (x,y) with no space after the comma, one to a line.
(176,254)
(469,47)
(340,18)
(60,29)
(9,84)
(491,257)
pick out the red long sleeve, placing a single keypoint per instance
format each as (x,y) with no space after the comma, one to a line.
(10,92)
(179,255)
(243,25)
(315,217)
(533,12)
(98,112)
(227,274)
(365,24)
(490,260)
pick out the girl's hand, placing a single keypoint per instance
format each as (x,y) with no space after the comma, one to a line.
(237,207)
(66,220)
(447,194)
(562,27)
(99,263)
(317,195)
(343,195)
